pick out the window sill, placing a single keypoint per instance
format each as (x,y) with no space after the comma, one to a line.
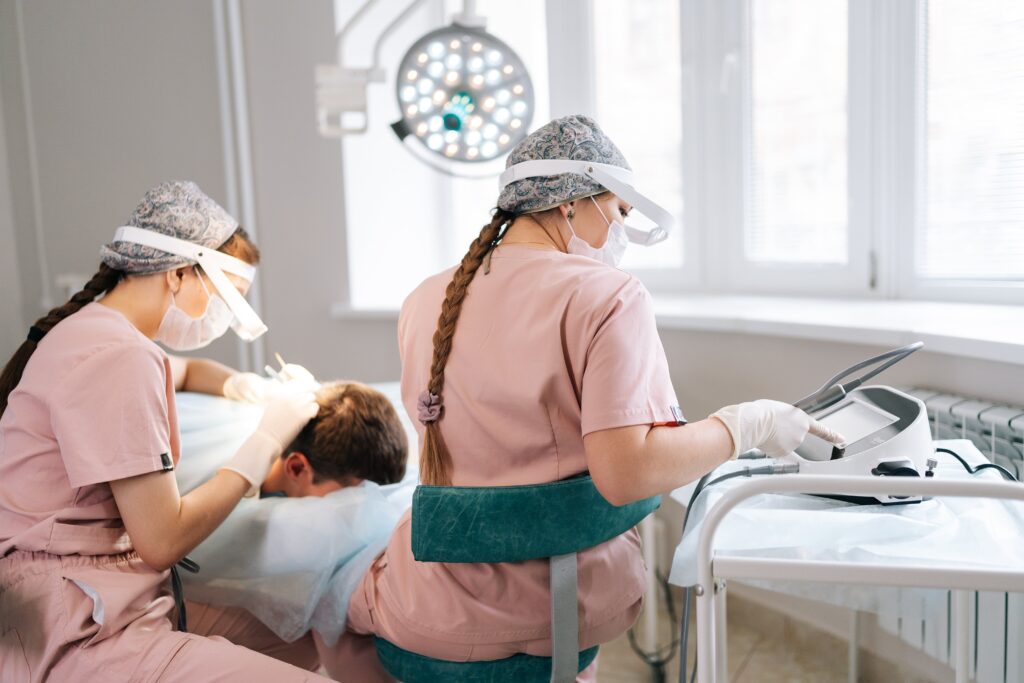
(985,331)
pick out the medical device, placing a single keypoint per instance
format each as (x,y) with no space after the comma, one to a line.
(887,432)
(887,435)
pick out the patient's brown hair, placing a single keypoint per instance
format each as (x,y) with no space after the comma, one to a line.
(356,433)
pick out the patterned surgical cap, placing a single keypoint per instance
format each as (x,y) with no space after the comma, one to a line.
(177,208)
(575,137)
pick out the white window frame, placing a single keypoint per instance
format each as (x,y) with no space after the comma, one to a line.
(885,179)
(714,88)
(911,20)
(885,174)
(727,92)
(571,46)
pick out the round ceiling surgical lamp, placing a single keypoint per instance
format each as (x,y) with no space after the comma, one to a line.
(465,97)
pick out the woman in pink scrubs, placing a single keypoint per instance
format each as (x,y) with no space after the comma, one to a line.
(91,521)
(533,361)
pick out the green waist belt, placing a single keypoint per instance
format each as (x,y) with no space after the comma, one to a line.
(553,521)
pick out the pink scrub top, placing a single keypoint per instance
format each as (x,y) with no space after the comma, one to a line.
(548,348)
(95,404)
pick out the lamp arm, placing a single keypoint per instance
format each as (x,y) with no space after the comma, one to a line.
(389,29)
(343,33)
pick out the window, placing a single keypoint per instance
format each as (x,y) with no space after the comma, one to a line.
(779,190)
(805,147)
(796,132)
(638,94)
(972,218)
(858,149)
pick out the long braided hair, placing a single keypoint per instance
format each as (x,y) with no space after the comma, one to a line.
(436,462)
(102,282)
(105,279)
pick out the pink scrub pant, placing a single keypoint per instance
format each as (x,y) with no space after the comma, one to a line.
(353,657)
(52,629)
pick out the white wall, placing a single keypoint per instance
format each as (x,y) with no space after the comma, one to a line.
(15,216)
(122,95)
(12,327)
(125,94)
(712,369)
(298,178)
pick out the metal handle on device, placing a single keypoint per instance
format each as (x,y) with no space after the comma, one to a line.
(833,392)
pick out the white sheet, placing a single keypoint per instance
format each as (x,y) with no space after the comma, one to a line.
(951,531)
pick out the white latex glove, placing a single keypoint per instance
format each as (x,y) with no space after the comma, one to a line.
(774,427)
(248,387)
(297,376)
(282,421)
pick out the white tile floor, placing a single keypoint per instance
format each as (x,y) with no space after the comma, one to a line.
(754,657)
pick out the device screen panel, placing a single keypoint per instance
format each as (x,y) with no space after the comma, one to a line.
(856,420)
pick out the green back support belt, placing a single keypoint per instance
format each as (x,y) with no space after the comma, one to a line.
(516,523)
(551,521)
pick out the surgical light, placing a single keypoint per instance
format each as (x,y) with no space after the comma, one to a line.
(468,94)
(464,96)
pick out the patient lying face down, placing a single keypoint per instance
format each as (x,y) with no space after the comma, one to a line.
(356,436)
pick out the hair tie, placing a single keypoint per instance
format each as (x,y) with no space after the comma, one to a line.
(429,408)
(35,334)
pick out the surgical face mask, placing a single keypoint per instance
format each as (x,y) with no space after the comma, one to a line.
(611,251)
(181,332)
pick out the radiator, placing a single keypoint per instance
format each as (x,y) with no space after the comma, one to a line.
(997,620)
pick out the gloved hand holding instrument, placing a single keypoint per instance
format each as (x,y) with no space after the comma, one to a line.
(774,427)
(248,387)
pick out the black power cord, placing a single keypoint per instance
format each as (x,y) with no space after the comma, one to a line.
(702,484)
(656,662)
(986,466)
(659,657)
(663,655)
(688,592)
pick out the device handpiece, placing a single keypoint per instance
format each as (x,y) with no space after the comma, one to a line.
(821,399)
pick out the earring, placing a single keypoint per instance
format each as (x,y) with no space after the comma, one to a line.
(571,214)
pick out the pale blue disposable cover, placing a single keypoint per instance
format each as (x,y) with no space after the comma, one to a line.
(292,562)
